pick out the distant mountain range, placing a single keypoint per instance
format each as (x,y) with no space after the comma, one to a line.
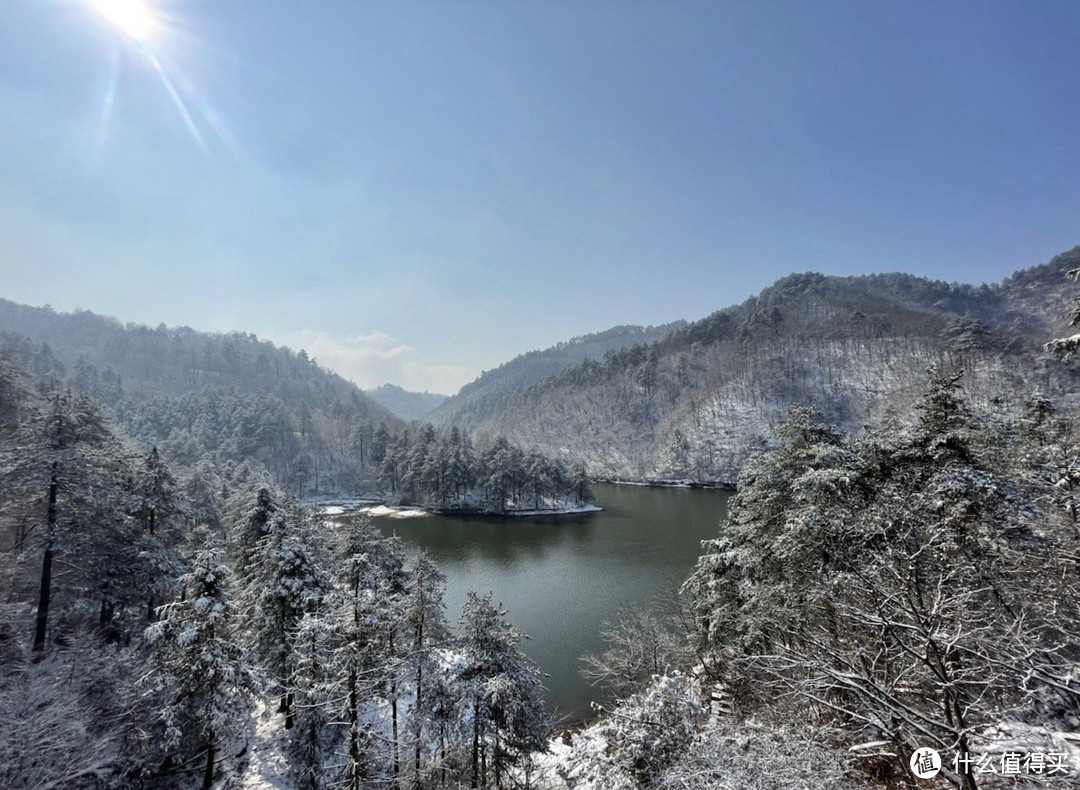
(681,401)
(405,404)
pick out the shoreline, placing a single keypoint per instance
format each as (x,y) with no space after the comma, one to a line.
(667,483)
(374,506)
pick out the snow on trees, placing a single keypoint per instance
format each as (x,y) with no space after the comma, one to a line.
(502,690)
(898,584)
(640,737)
(200,676)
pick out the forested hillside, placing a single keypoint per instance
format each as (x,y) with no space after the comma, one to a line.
(197,396)
(215,401)
(478,400)
(694,405)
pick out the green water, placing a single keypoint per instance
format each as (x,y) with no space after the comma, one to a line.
(561,577)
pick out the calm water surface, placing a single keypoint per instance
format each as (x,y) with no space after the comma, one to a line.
(560,578)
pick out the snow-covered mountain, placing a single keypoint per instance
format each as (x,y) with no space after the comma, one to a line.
(692,405)
(478,400)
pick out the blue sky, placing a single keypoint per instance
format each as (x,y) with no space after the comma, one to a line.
(415,191)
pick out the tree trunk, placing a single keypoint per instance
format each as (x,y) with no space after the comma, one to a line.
(394,718)
(476,745)
(354,734)
(208,773)
(287,708)
(45,593)
(419,720)
(442,755)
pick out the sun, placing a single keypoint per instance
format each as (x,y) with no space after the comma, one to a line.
(134,17)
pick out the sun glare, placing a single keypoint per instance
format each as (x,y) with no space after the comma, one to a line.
(133,17)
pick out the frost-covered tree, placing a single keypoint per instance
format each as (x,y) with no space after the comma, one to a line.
(640,644)
(639,738)
(309,683)
(69,722)
(899,584)
(359,670)
(284,580)
(502,690)
(751,756)
(158,508)
(248,522)
(67,495)
(1065,347)
(200,675)
(426,634)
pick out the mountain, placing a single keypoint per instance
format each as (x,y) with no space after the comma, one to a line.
(694,404)
(480,399)
(196,395)
(405,404)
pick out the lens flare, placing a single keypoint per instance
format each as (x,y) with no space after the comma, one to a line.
(133,17)
(139,21)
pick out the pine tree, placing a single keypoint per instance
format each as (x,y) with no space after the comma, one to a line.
(360,618)
(426,631)
(200,676)
(67,483)
(899,581)
(287,580)
(309,687)
(159,511)
(502,688)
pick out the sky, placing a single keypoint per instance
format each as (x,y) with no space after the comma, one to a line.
(414,192)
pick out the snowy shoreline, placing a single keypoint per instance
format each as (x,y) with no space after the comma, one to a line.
(666,483)
(377,507)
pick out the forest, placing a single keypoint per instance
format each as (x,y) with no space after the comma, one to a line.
(696,404)
(174,616)
(148,617)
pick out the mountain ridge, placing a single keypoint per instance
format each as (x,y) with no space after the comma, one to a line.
(694,404)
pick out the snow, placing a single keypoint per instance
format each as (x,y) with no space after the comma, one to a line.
(372,507)
(394,512)
(336,506)
(380,509)
(569,510)
(265,765)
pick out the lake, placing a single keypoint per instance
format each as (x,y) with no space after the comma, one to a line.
(560,577)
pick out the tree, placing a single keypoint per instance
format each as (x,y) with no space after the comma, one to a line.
(200,676)
(363,614)
(159,511)
(309,682)
(641,644)
(898,585)
(67,484)
(751,756)
(641,736)
(426,630)
(287,581)
(502,687)
(1065,347)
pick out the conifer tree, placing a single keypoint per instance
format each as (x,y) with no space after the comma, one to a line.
(426,631)
(502,689)
(200,676)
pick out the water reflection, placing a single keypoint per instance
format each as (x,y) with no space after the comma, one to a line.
(560,577)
